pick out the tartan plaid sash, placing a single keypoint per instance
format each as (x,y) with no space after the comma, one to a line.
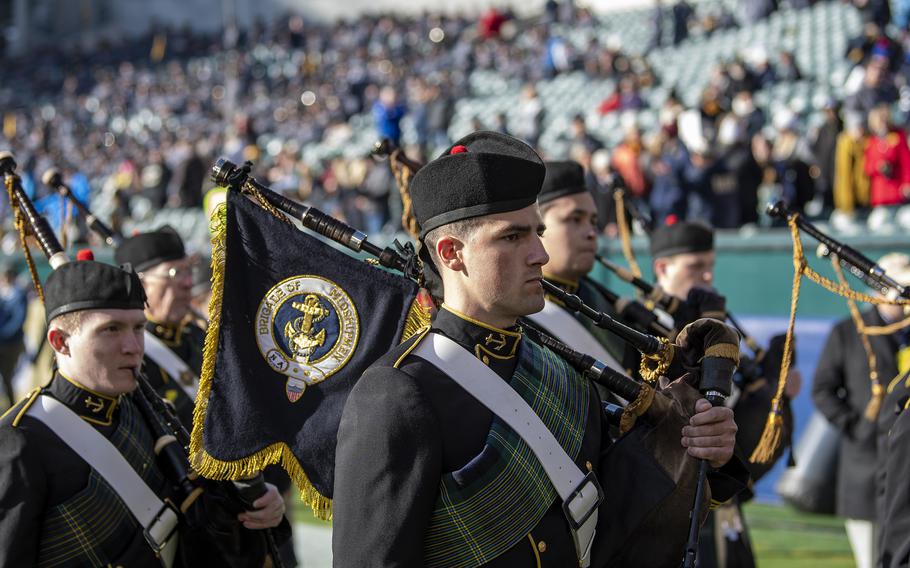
(491,503)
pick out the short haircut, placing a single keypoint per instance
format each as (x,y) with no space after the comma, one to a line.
(462,230)
(69,322)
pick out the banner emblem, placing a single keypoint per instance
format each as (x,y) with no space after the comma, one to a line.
(307,328)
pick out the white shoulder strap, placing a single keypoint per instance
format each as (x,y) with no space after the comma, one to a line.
(173,365)
(579,492)
(158,520)
(563,325)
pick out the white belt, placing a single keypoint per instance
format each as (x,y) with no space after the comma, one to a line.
(158,519)
(173,365)
(580,493)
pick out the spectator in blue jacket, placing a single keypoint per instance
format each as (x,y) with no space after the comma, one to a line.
(388,112)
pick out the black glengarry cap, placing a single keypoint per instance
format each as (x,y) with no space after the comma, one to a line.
(146,250)
(681,237)
(484,173)
(563,178)
(90,285)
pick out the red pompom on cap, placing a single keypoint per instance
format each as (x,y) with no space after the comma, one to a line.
(85,254)
(671,220)
(458,149)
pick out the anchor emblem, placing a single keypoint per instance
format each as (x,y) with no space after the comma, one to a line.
(300,330)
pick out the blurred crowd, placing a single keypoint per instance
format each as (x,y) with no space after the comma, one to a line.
(139,122)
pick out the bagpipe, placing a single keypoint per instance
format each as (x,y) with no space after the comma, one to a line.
(854,261)
(657,352)
(809,485)
(54,180)
(171,439)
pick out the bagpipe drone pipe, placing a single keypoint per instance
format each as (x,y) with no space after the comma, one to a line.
(682,481)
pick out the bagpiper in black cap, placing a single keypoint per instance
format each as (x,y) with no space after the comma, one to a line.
(146,250)
(90,285)
(563,178)
(482,174)
(681,237)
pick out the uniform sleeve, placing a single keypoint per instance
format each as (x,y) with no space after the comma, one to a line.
(387,471)
(22,496)
(728,480)
(829,383)
(895,526)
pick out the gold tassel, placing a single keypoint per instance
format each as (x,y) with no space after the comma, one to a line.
(770,437)
(877,391)
(875,403)
(205,464)
(773,432)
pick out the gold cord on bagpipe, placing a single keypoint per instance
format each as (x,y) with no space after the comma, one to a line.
(22,230)
(771,435)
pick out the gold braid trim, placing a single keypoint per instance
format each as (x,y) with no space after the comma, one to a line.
(624,233)
(878,392)
(654,366)
(636,408)
(250,189)
(207,465)
(22,230)
(724,351)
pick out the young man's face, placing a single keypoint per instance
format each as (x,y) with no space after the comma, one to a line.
(679,273)
(571,237)
(168,287)
(103,351)
(503,262)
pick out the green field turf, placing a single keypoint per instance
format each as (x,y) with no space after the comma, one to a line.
(784,538)
(781,537)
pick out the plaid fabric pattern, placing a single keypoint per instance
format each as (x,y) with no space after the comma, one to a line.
(93,527)
(498,497)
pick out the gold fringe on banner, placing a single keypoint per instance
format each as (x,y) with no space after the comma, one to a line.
(278,453)
(206,464)
(417,320)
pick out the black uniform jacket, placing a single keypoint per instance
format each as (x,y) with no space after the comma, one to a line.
(895,523)
(405,424)
(55,510)
(186,340)
(841,390)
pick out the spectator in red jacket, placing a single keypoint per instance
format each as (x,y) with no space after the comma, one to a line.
(887,160)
